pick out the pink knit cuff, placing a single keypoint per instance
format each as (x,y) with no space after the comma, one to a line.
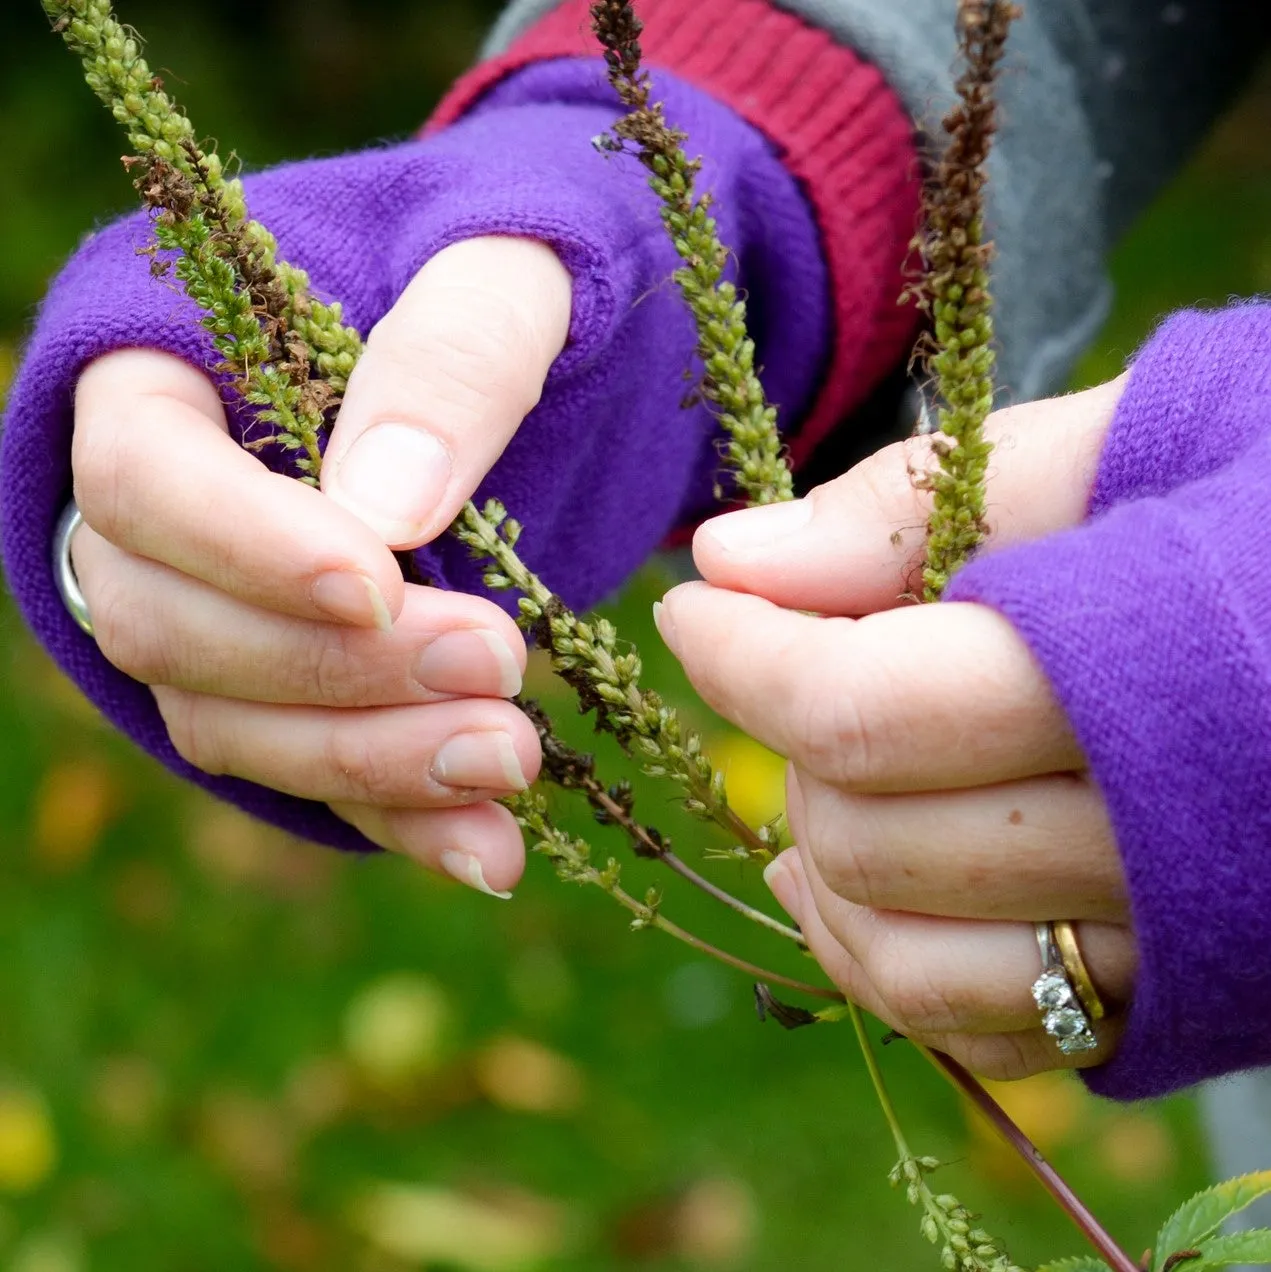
(838,127)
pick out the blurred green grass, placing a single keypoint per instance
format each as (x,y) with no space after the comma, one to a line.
(219,1048)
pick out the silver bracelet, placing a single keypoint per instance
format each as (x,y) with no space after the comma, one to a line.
(64,571)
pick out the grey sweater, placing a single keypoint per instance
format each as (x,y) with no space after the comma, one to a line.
(1101,101)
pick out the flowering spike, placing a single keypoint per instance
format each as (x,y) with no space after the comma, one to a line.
(955,292)
(753,453)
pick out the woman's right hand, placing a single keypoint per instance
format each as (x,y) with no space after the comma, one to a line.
(271,620)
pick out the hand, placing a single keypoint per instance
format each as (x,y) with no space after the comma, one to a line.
(272,621)
(937,796)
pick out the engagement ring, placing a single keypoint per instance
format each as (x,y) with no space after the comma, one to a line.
(1063,1014)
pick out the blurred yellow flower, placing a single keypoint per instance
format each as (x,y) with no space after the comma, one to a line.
(507,1232)
(74,804)
(717,1222)
(1137,1148)
(49,1252)
(28,1145)
(1132,1146)
(395,1030)
(527,1077)
(126,1094)
(249,1138)
(756,776)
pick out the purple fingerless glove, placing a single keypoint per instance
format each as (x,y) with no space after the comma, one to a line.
(600,471)
(1153,623)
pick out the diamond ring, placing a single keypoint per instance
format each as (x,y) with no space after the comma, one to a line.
(64,571)
(1063,1016)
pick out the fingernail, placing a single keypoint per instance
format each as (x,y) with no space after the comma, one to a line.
(474,661)
(781,883)
(754,529)
(393,478)
(480,761)
(349,596)
(467,869)
(666,628)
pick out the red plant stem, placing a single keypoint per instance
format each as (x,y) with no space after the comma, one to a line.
(1050,1178)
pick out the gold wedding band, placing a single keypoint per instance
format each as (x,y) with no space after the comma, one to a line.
(1075,966)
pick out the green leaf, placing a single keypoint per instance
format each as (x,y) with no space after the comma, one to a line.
(1201,1217)
(1253,1246)
(1083,1263)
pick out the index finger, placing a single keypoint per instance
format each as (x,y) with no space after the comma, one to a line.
(157,474)
(855,544)
(930,697)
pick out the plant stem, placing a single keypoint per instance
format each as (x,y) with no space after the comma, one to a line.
(573,770)
(1050,1178)
(752,970)
(242,298)
(158,128)
(648,846)
(959,353)
(685,871)
(945,1220)
(754,452)
(572,858)
(586,655)
(857,1017)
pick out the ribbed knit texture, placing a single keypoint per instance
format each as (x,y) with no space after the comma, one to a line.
(1153,623)
(598,473)
(838,127)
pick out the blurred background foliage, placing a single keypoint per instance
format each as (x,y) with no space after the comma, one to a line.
(220,1048)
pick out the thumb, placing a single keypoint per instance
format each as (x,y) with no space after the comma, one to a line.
(448,375)
(855,544)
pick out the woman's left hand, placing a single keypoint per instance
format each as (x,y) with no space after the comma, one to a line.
(940,803)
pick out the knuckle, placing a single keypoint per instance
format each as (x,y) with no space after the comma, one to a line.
(913,991)
(838,745)
(717,676)
(885,481)
(224,554)
(847,727)
(128,636)
(848,864)
(332,675)
(103,485)
(873,480)
(369,773)
(190,732)
(495,328)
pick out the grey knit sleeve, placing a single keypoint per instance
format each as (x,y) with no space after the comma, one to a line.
(1101,102)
